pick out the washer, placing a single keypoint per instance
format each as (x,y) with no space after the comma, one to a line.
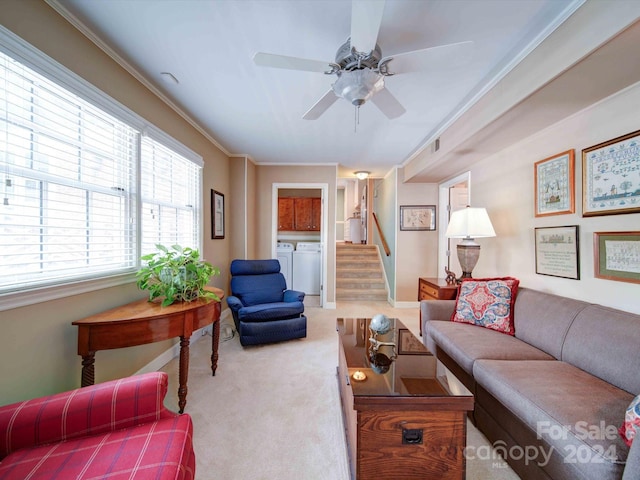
(285,257)
(306,267)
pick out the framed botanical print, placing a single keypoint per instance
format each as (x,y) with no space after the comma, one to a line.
(555,184)
(611,176)
(217,215)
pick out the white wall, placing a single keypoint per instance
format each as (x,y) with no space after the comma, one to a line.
(503,183)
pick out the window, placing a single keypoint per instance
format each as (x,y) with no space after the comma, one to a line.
(82,192)
(170,194)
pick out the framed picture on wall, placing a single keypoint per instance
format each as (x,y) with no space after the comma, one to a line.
(555,184)
(558,252)
(418,217)
(617,256)
(217,215)
(610,180)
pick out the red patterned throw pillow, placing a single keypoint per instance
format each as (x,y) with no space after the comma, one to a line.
(487,302)
(631,426)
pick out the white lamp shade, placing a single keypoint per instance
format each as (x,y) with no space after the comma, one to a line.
(470,223)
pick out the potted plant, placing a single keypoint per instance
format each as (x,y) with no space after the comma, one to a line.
(177,274)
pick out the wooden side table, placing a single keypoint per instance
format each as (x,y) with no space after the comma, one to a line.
(435,289)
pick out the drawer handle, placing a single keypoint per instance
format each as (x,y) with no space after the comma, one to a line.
(347,378)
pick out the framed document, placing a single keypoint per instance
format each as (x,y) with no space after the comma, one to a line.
(557,252)
(418,217)
(617,256)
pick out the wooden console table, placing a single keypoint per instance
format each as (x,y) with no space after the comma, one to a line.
(143,322)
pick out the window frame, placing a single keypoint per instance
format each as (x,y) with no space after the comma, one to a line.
(38,61)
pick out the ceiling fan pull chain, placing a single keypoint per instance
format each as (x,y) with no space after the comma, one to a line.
(355,120)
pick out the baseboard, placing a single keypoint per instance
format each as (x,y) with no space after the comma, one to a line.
(173,351)
(406,304)
(330,305)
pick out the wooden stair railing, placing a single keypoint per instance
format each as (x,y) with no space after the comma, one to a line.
(385,245)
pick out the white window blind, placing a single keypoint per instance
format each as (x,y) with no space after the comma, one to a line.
(67,184)
(83,194)
(170,195)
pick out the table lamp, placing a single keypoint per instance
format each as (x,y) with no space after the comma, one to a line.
(469,223)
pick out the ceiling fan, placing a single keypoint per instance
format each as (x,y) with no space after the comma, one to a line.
(360,67)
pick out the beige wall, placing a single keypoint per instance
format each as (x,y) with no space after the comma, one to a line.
(266,177)
(237,207)
(38,345)
(416,251)
(503,183)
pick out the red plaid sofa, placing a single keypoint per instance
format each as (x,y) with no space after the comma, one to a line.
(113,430)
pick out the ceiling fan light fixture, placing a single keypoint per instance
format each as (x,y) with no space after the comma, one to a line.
(362,175)
(358,86)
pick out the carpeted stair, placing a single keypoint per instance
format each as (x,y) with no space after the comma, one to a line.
(359,274)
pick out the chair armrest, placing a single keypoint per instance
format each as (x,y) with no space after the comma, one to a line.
(82,412)
(632,467)
(293,296)
(234,303)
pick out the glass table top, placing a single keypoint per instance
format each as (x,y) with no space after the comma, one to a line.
(395,363)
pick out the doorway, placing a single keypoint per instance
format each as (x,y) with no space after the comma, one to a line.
(308,239)
(454,194)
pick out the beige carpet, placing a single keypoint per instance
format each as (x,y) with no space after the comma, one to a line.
(273,411)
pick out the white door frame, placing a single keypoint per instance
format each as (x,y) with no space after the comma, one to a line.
(324,188)
(443,221)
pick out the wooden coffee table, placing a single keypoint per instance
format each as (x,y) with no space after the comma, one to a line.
(402,419)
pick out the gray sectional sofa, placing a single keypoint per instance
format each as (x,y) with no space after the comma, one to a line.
(552,397)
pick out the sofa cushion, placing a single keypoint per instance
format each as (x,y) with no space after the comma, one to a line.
(572,411)
(487,303)
(631,425)
(466,343)
(160,450)
(270,311)
(605,342)
(542,319)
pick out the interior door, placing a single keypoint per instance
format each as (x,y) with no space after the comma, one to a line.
(458,198)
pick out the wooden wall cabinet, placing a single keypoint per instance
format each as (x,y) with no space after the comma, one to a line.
(285,214)
(299,214)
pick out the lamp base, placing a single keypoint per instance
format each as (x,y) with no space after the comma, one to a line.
(468,253)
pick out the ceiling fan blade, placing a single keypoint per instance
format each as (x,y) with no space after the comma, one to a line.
(366,17)
(444,56)
(290,63)
(388,104)
(321,106)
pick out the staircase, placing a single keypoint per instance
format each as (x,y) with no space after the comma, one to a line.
(359,274)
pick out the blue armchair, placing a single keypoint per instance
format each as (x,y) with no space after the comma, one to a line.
(263,310)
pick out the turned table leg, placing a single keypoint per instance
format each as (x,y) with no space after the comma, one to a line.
(183,373)
(215,341)
(88,369)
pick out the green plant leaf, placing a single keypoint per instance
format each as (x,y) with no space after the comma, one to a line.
(175,275)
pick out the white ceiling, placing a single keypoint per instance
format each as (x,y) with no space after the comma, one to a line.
(208,45)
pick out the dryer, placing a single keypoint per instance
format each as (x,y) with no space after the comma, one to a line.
(306,267)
